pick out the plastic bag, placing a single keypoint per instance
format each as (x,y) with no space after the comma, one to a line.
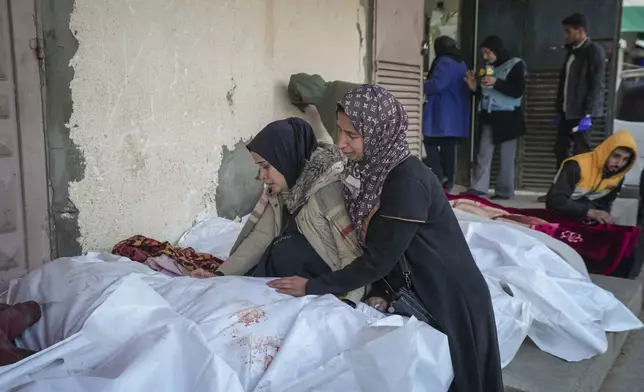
(215,236)
(571,315)
(122,347)
(219,334)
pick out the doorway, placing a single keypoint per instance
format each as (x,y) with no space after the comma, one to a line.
(398,61)
(532,30)
(24,242)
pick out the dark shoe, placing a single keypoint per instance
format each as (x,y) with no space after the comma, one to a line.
(542,199)
(473,192)
(499,197)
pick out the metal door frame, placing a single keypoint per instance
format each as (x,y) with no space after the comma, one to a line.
(23,56)
(401,77)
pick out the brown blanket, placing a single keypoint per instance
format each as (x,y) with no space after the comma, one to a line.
(153,253)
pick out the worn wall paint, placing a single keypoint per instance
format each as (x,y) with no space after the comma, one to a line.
(161,87)
(65,161)
(367,34)
(234,179)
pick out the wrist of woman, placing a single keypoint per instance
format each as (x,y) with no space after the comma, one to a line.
(349,302)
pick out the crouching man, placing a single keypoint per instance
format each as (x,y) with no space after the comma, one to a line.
(588,184)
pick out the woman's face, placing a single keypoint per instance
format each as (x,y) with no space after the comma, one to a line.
(488,55)
(349,140)
(270,176)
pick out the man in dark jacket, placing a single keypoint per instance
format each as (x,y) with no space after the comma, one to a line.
(588,184)
(581,83)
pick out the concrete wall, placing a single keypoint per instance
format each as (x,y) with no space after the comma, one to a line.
(160,91)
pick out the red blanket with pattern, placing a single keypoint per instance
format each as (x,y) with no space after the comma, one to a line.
(156,253)
(601,246)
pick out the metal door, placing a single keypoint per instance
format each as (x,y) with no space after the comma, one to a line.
(398,62)
(544,54)
(538,163)
(23,188)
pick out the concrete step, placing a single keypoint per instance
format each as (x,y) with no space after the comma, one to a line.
(533,370)
(626,374)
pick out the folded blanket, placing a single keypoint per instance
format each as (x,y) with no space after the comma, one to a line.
(602,247)
(488,210)
(161,256)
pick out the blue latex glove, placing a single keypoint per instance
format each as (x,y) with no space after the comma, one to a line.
(585,124)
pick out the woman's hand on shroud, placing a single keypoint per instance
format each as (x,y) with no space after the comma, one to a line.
(294,286)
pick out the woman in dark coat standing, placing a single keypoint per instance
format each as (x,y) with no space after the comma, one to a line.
(446,114)
(500,96)
(400,212)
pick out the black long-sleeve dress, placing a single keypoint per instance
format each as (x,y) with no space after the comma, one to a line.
(507,125)
(416,220)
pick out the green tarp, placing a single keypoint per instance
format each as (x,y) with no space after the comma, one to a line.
(305,89)
(633,20)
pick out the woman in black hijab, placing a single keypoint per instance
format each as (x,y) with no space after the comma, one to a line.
(495,45)
(300,226)
(286,146)
(446,114)
(500,98)
(445,46)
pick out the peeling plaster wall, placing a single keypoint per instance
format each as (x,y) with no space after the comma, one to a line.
(161,88)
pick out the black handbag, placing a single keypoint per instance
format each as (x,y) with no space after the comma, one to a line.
(406,303)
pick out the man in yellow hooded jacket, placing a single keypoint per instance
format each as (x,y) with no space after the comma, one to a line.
(587,184)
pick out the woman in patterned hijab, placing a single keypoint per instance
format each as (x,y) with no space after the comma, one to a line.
(411,239)
(382,122)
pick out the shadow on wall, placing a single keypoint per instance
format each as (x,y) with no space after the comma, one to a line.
(237,191)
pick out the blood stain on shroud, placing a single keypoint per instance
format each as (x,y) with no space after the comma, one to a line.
(252,316)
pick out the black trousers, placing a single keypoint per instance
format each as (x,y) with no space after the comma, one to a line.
(569,144)
(441,158)
(291,254)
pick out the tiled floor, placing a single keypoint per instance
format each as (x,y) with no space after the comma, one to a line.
(521,201)
(626,374)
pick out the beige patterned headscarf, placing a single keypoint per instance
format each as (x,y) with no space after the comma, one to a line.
(382,122)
